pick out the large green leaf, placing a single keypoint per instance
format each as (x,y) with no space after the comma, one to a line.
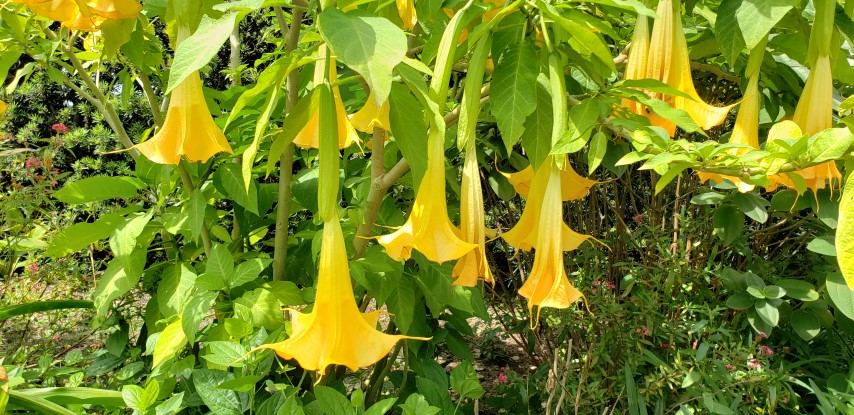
(125,269)
(410,129)
(841,294)
(15,310)
(175,287)
(219,401)
(757,17)
(513,93)
(537,133)
(197,50)
(727,30)
(371,45)
(98,188)
(171,340)
(80,235)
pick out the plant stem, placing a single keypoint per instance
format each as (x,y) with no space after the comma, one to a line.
(375,194)
(145,83)
(286,161)
(190,188)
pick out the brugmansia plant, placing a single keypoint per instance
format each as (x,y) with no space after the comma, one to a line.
(306,202)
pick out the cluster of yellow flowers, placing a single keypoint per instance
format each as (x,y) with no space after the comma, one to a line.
(664,57)
(86,15)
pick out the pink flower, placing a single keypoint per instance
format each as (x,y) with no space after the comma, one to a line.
(597,283)
(765,351)
(753,364)
(763,335)
(59,128)
(34,267)
(665,346)
(502,378)
(32,163)
(638,217)
(730,367)
(610,285)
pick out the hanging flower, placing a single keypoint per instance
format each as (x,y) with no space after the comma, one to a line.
(371,115)
(428,228)
(665,58)
(525,235)
(573,186)
(308,137)
(473,265)
(746,129)
(335,332)
(406,11)
(547,284)
(189,130)
(86,15)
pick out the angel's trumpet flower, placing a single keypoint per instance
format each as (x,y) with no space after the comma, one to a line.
(3,107)
(636,64)
(746,130)
(473,265)
(667,61)
(309,136)
(189,130)
(428,228)
(86,15)
(814,113)
(371,115)
(573,185)
(526,234)
(547,284)
(335,332)
(406,11)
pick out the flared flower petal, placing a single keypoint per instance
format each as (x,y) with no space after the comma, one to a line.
(86,15)
(335,332)
(547,284)
(667,60)
(573,185)
(526,234)
(309,136)
(473,265)
(371,115)
(189,130)
(428,228)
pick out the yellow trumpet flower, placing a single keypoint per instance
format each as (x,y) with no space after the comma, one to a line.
(371,115)
(547,284)
(406,11)
(3,107)
(428,228)
(309,136)
(86,15)
(526,234)
(814,113)
(636,64)
(473,265)
(189,130)
(335,332)
(667,61)
(573,186)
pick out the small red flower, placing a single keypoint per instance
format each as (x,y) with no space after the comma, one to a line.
(502,378)
(766,351)
(59,128)
(753,364)
(665,346)
(32,163)
(638,217)
(34,267)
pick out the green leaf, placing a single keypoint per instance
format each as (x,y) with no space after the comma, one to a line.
(370,45)
(537,133)
(845,231)
(78,396)
(125,269)
(752,205)
(579,123)
(293,124)
(410,129)
(513,93)
(332,402)
(823,245)
(80,235)
(708,198)
(196,310)
(170,406)
(265,307)
(171,340)
(830,144)
(194,211)
(247,271)
(728,222)
(219,401)
(582,40)
(596,153)
(98,188)
(197,50)
(228,179)
(841,294)
(805,324)
(175,287)
(756,18)
(464,381)
(740,301)
(220,263)
(416,405)
(727,30)
(15,310)
(716,408)
(690,379)
(225,353)
(799,290)
(767,312)
(773,291)
(19,399)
